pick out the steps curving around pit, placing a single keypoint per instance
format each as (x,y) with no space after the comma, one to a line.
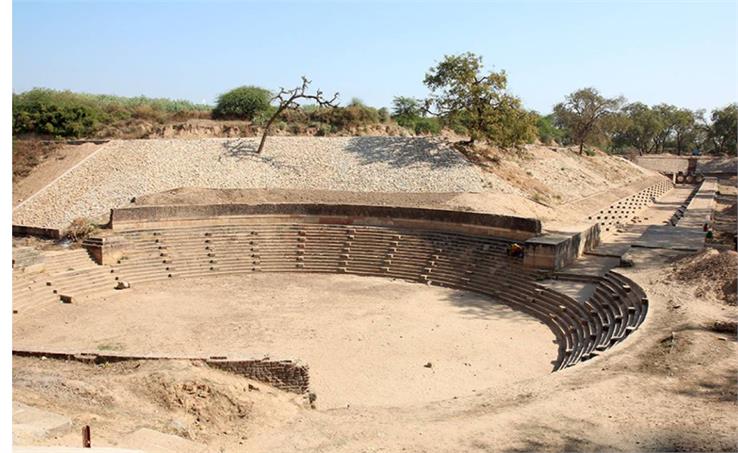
(463,261)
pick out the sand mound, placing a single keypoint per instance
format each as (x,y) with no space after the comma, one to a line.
(205,405)
(175,397)
(710,271)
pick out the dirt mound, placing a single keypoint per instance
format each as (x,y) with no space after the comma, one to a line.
(203,405)
(175,397)
(710,271)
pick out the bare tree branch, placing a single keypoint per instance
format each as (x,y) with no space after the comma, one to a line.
(287,99)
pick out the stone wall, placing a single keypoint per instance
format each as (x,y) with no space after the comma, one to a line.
(518,228)
(285,375)
(557,250)
(45,233)
(708,165)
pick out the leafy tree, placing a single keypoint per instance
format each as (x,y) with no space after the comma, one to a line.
(409,113)
(666,115)
(548,133)
(461,92)
(611,131)
(643,126)
(243,103)
(406,107)
(722,131)
(583,113)
(685,129)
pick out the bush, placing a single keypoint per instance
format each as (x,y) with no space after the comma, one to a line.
(79,229)
(67,114)
(384,115)
(547,131)
(420,124)
(243,103)
(346,117)
(427,126)
(57,113)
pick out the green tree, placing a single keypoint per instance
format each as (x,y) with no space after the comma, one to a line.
(462,92)
(667,116)
(611,131)
(548,133)
(685,129)
(243,103)
(406,107)
(722,131)
(643,125)
(582,114)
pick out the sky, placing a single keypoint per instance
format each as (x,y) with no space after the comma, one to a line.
(683,53)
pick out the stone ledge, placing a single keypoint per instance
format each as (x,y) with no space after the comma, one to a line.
(287,375)
(504,226)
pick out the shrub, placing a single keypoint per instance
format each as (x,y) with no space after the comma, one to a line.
(427,126)
(66,114)
(323,130)
(356,102)
(79,229)
(384,115)
(547,131)
(419,124)
(403,106)
(243,103)
(57,113)
(346,117)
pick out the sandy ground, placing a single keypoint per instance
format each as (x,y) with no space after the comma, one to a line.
(360,342)
(180,398)
(670,387)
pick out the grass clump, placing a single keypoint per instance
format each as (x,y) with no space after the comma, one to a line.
(79,229)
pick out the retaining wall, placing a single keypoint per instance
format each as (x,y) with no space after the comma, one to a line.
(708,165)
(509,227)
(46,233)
(282,374)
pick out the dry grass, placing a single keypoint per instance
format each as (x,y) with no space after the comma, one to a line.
(79,229)
(27,154)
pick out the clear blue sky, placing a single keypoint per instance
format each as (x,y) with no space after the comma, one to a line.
(675,52)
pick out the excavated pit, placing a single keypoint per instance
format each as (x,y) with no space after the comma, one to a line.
(368,341)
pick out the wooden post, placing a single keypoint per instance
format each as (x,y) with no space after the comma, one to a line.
(86,440)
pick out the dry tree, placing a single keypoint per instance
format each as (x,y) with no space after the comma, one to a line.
(288,100)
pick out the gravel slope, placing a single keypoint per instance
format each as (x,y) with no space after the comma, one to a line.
(126,169)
